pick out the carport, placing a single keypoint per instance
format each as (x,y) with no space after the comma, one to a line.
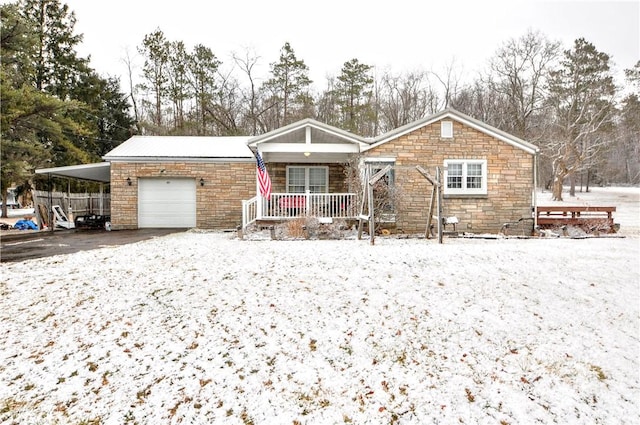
(98,172)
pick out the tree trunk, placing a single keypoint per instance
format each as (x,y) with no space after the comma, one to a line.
(557,187)
(588,178)
(628,171)
(5,195)
(572,189)
(581,181)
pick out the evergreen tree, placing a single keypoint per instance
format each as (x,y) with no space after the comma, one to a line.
(354,91)
(52,54)
(202,67)
(33,124)
(155,50)
(105,114)
(178,83)
(289,86)
(55,109)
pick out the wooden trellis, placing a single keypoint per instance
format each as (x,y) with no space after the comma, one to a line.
(367,210)
(436,199)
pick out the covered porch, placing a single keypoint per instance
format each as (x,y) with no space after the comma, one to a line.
(308,165)
(286,206)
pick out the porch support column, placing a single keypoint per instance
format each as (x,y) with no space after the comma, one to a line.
(101,203)
(259,198)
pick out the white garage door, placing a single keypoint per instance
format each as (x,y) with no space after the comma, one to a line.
(167,203)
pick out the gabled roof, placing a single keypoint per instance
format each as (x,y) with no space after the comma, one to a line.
(98,172)
(184,148)
(451,113)
(296,132)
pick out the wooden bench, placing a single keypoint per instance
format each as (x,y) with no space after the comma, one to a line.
(587,217)
(293,205)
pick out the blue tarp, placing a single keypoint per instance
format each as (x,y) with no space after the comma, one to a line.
(25,225)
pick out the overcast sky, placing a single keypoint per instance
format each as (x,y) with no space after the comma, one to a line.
(398,34)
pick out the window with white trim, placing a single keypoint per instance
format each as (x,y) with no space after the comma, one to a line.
(446,129)
(465,177)
(302,179)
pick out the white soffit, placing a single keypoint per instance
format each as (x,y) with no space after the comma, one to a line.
(98,172)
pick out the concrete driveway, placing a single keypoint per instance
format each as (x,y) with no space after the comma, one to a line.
(29,244)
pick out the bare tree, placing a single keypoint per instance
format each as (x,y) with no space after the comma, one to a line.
(581,102)
(450,80)
(132,90)
(519,72)
(251,96)
(226,107)
(478,100)
(327,108)
(624,156)
(404,98)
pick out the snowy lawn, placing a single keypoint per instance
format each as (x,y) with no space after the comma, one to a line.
(204,328)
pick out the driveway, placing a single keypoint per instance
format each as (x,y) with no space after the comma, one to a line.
(30,245)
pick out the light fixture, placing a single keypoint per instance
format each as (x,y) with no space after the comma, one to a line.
(307,154)
(201,181)
(129,181)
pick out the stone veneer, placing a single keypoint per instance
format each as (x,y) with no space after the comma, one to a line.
(218,202)
(509,178)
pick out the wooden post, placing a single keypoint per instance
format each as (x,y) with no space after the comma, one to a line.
(371,217)
(439,180)
(435,191)
(363,202)
(50,206)
(430,214)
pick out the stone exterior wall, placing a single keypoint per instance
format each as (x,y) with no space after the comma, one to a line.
(218,202)
(510,181)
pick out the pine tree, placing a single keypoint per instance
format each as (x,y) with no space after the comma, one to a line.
(202,67)
(56,66)
(289,85)
(354,91)
(155,50)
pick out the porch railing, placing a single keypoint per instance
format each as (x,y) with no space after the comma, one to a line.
(282,206)
(249,211)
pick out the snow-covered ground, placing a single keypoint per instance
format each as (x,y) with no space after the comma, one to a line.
(200,327)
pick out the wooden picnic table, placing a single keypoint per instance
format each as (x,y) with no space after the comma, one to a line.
(575,215)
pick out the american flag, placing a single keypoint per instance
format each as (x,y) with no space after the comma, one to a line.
(263,178)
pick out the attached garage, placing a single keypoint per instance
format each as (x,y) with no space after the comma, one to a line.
(167,203)
(180,182)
